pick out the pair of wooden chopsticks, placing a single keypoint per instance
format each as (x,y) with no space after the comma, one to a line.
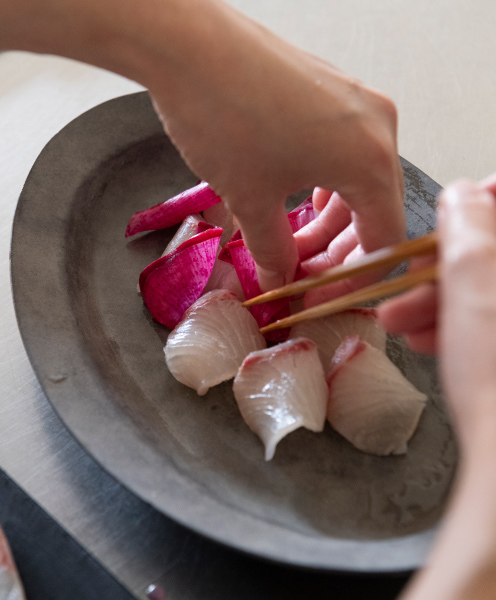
(392,255)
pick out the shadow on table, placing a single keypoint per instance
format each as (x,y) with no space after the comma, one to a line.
(52,565)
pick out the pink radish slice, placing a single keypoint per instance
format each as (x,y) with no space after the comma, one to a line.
(266,312)
(225,253)
(302,215)
(171,284)
(203,226)
(174,210)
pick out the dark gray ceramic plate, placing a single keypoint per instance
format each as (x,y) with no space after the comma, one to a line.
(98,355)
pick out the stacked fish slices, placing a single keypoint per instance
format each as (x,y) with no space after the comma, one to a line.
(342,374)
(333,368)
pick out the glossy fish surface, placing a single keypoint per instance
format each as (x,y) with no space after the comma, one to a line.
(280,389)
(210,343)
(329,332)
(371,403)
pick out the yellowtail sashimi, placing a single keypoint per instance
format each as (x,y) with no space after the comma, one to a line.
(210,343)
(281,389)
(329,332)
(371,403)
(188,228)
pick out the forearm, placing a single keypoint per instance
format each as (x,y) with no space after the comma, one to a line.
(462,565)
(135,38)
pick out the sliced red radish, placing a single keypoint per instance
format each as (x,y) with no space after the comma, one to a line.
(266,312)
(174,210)
(171,284)
(302,215)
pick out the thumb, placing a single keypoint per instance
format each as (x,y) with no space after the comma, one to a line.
(269,238)
(467,224)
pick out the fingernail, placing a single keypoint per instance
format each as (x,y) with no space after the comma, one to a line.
(268,280)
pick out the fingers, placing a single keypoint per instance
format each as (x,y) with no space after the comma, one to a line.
(374,193)
(333,218)
(343,246)
(412,314)
(378,211)
(335,253)
(489,183)
(269,238)
(424,342)
(320,198)
(467,227)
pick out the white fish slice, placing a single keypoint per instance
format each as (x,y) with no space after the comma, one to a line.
(187,230)
(281,389)
(210,343)
(371,403)
(329,332)
(10,582)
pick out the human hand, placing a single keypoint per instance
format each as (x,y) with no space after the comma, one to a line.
(414,314)
(457,317)
(251,114)
(462,564)
(260,119)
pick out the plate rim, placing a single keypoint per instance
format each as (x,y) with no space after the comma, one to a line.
(245,537)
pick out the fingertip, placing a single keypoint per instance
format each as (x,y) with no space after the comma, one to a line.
(489,184)
(269,280)
(387,316)
(270,242)
(412,311)
(320,198)
(423,342)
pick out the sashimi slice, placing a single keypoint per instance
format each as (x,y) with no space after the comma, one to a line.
(281,389)
(264,313)
(371,403)
(171,284)
(174,210)
(10,582)
(302,215)
(210,343)
(188,228)
(329,332)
